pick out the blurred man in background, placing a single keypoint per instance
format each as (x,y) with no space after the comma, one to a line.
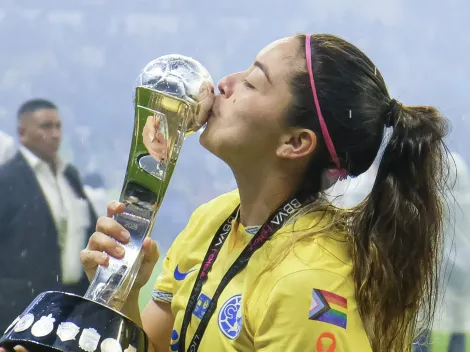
(45,217)
(96,192)
(7,147)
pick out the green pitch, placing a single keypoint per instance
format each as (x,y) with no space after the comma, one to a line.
(440,342)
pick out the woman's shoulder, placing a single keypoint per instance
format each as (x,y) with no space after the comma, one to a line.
(218,208)
(190,246)
(308,271)
(206,219)
(329,253)
(231,199)
(309,245)
(315,237)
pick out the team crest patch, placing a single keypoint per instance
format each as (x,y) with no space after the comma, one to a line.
(329,307)
(230,317)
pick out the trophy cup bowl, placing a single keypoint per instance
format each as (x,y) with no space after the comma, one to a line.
(173,96)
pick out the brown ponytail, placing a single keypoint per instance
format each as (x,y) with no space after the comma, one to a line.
(397,232)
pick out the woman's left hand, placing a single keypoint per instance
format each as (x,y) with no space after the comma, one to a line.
(205,100)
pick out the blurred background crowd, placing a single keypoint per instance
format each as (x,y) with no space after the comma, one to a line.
(84,56)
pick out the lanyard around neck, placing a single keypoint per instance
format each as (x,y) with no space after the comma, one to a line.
(273,224)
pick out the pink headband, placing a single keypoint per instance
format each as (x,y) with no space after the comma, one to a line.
(339,172)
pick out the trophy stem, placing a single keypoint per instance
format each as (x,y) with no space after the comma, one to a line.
(146,182)
(111,285)
(120,296)
(112,295)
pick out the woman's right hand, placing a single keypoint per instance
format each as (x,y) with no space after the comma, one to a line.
(104,243)
(16,349)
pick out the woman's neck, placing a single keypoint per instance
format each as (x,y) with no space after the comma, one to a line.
(261,195)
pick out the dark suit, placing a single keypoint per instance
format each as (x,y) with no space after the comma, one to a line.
(30,259)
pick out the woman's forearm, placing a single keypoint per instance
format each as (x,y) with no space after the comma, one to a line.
(131,308)
(132,311)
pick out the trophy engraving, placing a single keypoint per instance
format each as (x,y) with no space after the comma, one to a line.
(169,104)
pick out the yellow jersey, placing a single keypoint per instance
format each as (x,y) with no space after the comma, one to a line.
(304,301)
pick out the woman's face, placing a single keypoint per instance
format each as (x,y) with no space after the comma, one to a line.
(247,123)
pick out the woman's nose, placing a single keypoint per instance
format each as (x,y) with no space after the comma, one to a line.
(226,85)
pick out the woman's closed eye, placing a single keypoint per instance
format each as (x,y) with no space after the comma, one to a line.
(248,84)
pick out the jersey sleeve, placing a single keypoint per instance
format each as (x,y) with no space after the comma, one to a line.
(165,285)
(310,310)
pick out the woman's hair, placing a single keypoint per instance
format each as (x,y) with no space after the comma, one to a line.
(397,231)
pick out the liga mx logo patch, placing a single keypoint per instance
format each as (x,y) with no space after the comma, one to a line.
(329,307)
(201,306)
(230,317)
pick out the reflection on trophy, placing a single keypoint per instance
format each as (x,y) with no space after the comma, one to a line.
(170,104)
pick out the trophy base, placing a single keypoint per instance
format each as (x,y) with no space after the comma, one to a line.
(58,321)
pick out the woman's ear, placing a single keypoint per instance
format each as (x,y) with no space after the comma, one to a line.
(297,143)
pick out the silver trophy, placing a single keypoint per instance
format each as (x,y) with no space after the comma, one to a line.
(170,104)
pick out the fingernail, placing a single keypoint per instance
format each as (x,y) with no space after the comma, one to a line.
(104,256)
(120,251)
(126,235)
